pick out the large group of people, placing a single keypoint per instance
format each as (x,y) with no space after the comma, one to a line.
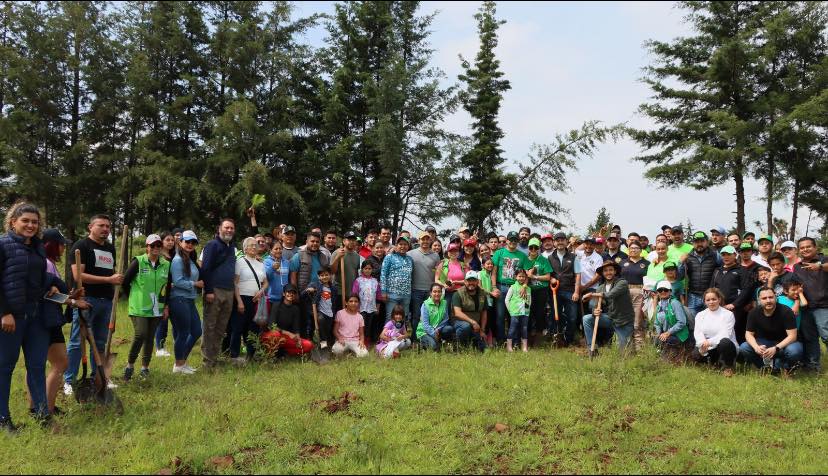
(716,298)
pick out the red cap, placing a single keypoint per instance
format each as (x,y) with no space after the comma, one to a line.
(470,242)
(453,247)
(547,236)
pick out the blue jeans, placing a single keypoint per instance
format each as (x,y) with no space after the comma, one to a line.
(502,314)
(813,327)
(464,333)
(161,333)
(98,321)
(695,302)
(430,343)
(567,316)
(624,333)
(33,337)
(186,326)
(393,300)
(519,322)
(790,355)
(417,300)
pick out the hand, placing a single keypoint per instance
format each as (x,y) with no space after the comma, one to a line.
(116,279)
(705,346)
(437,335)
(475,327)
(523,292)
(596,312)
(209,297)
(52,291)
(241,308)
(257,296)
(77,293)
(399,338)
(664,336)
(82,305)
(730,307)
(586,297)
(8,324)
(277,265)
(166,313)
(362,345)
(575,297)
(683,258)
(310,290)
(813,266)
(495,293)
(384,297)
(199,284)
(769,352)
(552,282)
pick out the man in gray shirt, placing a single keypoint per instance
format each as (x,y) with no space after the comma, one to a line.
(425,261)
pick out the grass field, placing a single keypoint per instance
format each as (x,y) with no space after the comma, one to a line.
(550,411)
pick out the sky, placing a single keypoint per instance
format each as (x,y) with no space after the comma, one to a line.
(571,62)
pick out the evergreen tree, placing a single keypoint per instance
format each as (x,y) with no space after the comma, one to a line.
(601,224)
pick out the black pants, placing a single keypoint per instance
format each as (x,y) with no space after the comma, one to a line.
(369,318)
(144,338)
(724,354)
(326,326)
(740,315)
(537,311)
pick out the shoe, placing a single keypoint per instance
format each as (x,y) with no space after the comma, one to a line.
(128,371)
(111,385)
(184,370)
(7,426)
(162,353)
(239,361)
(191,369)
(144,374)
(395,355)
(68,390)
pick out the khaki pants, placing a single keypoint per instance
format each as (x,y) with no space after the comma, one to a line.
(637,296)
(216,316)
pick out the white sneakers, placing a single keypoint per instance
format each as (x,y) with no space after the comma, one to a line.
(184,369)
(162,353)
(68,390)
(110,384)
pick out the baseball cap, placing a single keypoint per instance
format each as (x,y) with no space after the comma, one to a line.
(666,227)
(678,229)
(153,238)
(729,250)
(289,229)
(616,227)
(670,265)
(718,229)
(588,239)
(350,235)
(430,229)
(748,233)
(547,236)
(664,285)
(512,236)
(699,235)
(599,240)
(423,234)
(649,283)
(560,234)
(470,242)
(765,237)
(53,234)
(745,246)
(534,242)
(454,237)
(403,238)
(463,228)
(472,275)
(289,288)
(614,236)
(453,247)
(787,244)
(189,235)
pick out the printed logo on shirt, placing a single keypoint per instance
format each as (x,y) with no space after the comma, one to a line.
(326,295)
(510,266)
(626,264)
(104,259)
(642,266)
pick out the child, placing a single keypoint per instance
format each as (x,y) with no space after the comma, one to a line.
(518,300)
(395,335)
(485,281)
(671,274)
(325,298)
(288,320)
(349,329)
(368,290)
(793,297)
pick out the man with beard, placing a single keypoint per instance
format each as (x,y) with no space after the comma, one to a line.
(304,268)
(218,271)
(470,315)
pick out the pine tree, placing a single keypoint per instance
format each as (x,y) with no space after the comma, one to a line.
(601,223)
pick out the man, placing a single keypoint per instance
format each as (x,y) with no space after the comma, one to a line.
(425,261)
(464,232)
(507,261)
(470,316)
(547,245)
(304,268)
(289,242)
(617,230)
(613,251)
(502,241)
(218,271)
(523,241)
(268,241)
(368,247)
(734,240)
(329,247)
(616,310)
(385,239)
(645,245)
(717,238)
(99,280)
(432,232)
(679,250)
(395,278)
(567,269)
(347,254)
(700,265)
(765,245)
(770,338)
(539,273)
(812,270)
(376,259)
(633,270)
(493,241)
(589,263)
(749,237)
(668,233)
(406,234)
(738,292)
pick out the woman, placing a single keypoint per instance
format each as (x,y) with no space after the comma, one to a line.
(146,283)
(791,254)
(655,271)
(277,269)
(485,252)
(469,255)
(714,333)
(168,252)
(434,320)
(186,323)
(671,328)
(251,285)
(451,272)
(437,247)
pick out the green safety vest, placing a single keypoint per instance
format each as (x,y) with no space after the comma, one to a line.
(148,290)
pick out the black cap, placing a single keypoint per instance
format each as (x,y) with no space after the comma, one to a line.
(430,229)
(350,235)
(560,234)
(512,236)
(53,234)
(289,229)
(678,229)
(454,238)
(616,227)
(289,287)
(666,227)
(176,231)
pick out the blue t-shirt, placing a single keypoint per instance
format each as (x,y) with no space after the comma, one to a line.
(295,263)
(790,303)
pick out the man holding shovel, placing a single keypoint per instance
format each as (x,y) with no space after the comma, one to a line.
(614,310)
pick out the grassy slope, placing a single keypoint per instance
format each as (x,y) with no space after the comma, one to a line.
(434,413)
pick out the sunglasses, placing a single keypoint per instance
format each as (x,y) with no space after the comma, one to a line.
(191,242)
(533,247)
(664,290)
(155,245)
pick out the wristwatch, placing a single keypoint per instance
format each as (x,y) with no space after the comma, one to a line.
(778,350)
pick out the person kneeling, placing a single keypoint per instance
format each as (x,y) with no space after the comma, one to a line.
(395,335)
(288,319)
(616,312)
(670,321)
(770,340)
(349,329)
(714,335)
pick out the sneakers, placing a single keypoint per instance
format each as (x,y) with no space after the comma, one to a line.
(110,384)
(128,371)
(162,352)
(144,373)
(68,390)
(187,366)
(7,425)
(184,370)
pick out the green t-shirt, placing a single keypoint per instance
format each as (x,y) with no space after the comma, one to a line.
(675,253)
(542,267)
(508,263)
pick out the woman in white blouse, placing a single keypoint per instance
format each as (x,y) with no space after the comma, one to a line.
(251,285)
(715,338)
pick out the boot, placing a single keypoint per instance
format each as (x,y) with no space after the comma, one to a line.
(509,345)
(524,345)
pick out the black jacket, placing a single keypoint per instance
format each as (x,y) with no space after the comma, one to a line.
(700,270)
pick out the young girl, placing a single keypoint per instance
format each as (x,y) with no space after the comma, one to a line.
(451,272)
(485,280)
(395,335)
(368,290)
(518,300)
(349,329)
(793,297)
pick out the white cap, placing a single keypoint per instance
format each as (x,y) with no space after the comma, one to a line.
(649,283)
(787,244)
(189,235)
(153,238)
(472,275)
(664,285)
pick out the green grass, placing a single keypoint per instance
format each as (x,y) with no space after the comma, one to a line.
(435,413)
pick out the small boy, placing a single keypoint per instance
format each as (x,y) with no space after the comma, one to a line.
(671,274)
(793,297)
(326,299)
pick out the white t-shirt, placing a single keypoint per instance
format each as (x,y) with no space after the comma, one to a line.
(247,282)
(589,265)
(714,326)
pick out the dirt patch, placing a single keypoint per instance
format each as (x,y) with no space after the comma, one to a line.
(627,421)
(744,416)
(317,450)
(334,405)
(501,463)
(221,462)
(497,428)
(606,459)
(532,426)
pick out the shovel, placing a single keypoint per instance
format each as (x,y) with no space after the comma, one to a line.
(595,330)
(111,356)
(318,353)
(557,337)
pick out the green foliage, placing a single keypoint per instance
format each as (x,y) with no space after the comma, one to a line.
(601,224)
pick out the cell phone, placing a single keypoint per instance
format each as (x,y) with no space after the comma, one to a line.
(57,298)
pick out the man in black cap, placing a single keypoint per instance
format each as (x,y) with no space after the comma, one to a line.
(289,243)
(667,231)
(347,253)
(699,266)
(431,231)
(567,270)
(613,251)
(616,310)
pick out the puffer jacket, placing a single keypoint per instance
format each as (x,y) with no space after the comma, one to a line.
(14,265)
(699,269)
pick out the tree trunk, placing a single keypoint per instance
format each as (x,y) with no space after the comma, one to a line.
(739,178)
(769,193)
(795,203)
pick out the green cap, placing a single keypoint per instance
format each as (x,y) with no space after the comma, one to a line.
(748,233)
(728,250)
(765,237)
(745,246)
(699,235)
(403,237)
(534,242)
(670,265)
(512,236)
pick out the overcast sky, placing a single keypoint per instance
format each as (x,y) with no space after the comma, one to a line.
(570,62)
